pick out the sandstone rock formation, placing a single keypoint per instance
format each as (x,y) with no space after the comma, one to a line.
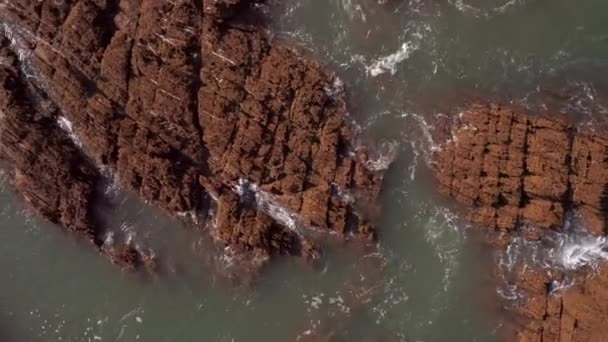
(575,314)
(193,106)
(514,170)
(54,177)
(31,139)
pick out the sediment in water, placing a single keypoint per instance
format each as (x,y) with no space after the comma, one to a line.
(184,101)
(520,175)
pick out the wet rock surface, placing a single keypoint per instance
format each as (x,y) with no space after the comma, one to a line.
(46,166)
(193,108)
(32,140)
(519,175)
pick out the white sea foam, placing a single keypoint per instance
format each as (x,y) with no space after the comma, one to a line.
(128,232)
(108,242)
(569,250)
(421,139)
(344,195)
(584,101)
(509,292)
(111,181)
(558,251)
(67,126)
(268,204)
(20,38)
(390,62)
(583,250)
(467,9)
(382,157)
(136,311)
(192,215)
(336,88)
(354,11)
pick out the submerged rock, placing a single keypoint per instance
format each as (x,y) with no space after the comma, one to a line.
(519,174)
(185,101)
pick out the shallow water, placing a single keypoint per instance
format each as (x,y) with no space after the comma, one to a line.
(402,63)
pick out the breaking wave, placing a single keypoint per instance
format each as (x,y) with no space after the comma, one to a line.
(581,251)
(571,249)
(389,63)
(67,126)
(269,205)
(566,251)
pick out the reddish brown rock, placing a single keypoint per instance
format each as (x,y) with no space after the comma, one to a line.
(576,314)
(589,179)
(47,167)
(186,101)
(517,170)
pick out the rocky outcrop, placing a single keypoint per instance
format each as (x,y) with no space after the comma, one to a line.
(515,170)
(47,167)
(589,180)
(188,102)
(575,314)
(274,118)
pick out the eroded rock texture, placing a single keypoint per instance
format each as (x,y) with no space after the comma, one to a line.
(47,167)
(187,101)
(576,314)
(269,116)
(514,170)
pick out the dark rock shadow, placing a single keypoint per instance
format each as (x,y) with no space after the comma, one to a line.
(604,207)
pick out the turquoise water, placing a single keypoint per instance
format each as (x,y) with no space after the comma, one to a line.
(403,64)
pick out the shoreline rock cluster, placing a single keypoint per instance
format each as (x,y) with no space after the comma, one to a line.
(514,171)
(513,168)
(186,103)
(195,108)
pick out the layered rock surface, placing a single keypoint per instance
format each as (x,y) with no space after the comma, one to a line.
(47,167)
(576,314)
(193,107)
(515,170)
(31,139)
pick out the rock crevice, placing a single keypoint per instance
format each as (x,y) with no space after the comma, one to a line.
(514,171)
(185,101)
(517,169)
